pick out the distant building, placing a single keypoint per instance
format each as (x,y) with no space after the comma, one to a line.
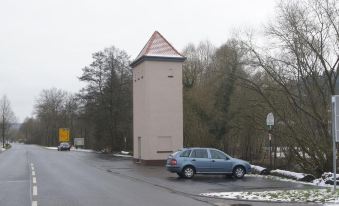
(157,101)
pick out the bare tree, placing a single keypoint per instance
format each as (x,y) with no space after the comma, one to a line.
(300,64)
(54,109)
(7,117)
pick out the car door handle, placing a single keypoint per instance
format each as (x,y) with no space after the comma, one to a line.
(193,160)
(213,161)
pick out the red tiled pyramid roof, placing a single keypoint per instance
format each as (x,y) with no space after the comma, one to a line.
(158,46)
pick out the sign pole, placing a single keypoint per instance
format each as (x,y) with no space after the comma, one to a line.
(270,123)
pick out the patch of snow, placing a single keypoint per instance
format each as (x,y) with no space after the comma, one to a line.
(318,195)
(54,148)
(257,167)
(72,149)
(124,152)
(2,149)
(121,155)
(326,180)
(276,178)
(293,175)
(258,170)
(82,150)
(285,173)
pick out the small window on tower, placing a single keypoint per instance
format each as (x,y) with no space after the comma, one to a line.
(170,73)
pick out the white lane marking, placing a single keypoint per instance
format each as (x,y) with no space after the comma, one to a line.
(35,190)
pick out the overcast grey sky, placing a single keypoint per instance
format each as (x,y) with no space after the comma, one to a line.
(45,43)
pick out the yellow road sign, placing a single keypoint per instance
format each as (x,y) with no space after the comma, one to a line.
(63,135)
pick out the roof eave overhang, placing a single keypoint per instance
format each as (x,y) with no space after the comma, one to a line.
(156,58)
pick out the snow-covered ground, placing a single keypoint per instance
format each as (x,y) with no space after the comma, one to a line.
(259,170)
(317,182)
(282,175)
(121,155)
(54,148)
(293,175)
(72,149)
(82,150)
(2,149)
(325,180)
(285,180)
(322,195)
(313,195)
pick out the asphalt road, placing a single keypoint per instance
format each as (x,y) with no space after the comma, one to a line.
(33,175)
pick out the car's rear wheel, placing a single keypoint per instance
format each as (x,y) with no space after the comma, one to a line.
(180,174)
(188,172)
(239,172)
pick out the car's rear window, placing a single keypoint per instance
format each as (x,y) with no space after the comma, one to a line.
(185,153)
(175,153)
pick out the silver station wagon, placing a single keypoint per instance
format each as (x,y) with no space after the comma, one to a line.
(190,161)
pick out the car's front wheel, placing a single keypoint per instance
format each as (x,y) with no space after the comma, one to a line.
(229,175)
(188,172)
(239,172)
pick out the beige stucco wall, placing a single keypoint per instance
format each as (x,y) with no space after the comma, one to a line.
(157,109)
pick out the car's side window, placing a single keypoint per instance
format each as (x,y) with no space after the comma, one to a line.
(215,154)
(185,153)
(199,153)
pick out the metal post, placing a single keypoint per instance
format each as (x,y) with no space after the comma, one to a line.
(334,147)
(270,139)
(270,123)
